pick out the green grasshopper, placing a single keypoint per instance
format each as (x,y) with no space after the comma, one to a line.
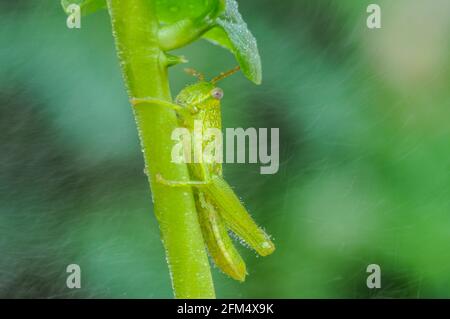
(218,207)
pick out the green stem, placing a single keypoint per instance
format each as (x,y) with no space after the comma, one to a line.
(144,66)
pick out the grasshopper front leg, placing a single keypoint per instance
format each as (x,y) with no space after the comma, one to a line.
(140,101)
(150,100)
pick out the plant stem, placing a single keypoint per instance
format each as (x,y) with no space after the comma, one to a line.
(135,29)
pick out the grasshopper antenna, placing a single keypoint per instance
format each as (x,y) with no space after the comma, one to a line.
(224,75)
(195,73)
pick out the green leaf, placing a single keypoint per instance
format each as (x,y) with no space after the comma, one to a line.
(232,33)
(86,6)
(170,11)
(183,24)
(229,31)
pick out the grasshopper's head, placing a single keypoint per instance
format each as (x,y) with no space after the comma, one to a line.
(203,94)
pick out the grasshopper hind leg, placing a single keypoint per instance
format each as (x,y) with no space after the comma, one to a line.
(236,217)
(220,245)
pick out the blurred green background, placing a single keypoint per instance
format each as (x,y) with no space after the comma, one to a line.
(365,153)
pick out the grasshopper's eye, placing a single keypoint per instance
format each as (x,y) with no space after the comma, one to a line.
(217,93)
